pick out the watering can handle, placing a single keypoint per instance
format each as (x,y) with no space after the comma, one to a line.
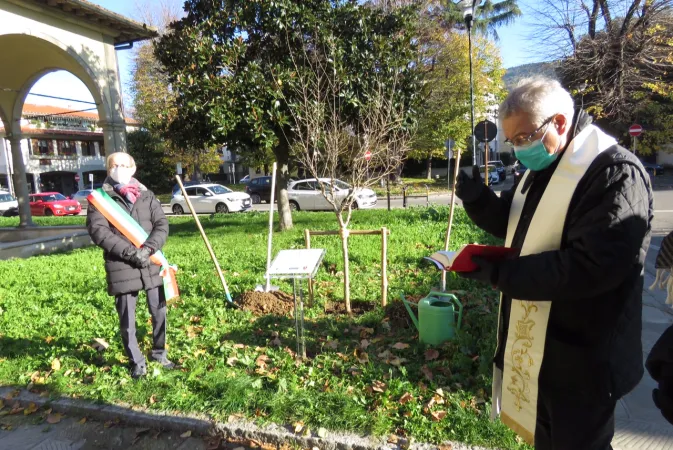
(459,320)
(411,313)
(453,299)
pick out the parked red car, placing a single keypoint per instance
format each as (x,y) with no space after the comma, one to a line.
(53,204)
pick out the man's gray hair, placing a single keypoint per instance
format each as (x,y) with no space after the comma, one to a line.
(541,98)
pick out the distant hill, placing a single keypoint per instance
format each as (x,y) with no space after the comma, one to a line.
(514,74)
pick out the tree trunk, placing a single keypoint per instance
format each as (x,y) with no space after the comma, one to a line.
(343,232)
(282,177)
(429,168)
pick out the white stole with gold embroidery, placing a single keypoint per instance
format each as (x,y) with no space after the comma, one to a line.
(524,349)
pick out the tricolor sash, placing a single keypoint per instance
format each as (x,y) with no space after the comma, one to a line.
(524,349)
(132,230)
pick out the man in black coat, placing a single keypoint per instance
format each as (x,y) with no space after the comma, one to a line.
(129,269)
(660,366)
(569,337)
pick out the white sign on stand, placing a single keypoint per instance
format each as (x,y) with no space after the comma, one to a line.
(298,265)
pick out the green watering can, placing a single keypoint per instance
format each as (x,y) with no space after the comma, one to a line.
(438,319)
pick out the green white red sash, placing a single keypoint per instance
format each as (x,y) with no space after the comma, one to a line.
(132,230)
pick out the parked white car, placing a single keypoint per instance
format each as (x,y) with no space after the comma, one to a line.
(8,204)
(305,195)
(210,198)
(493,177)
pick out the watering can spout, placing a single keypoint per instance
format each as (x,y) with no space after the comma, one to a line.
(411,313)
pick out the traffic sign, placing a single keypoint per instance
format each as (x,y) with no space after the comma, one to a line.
(368,155)
(485,131)
(77,178)
(635,130)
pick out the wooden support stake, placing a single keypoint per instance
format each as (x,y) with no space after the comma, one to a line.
(307,238)
(384,267)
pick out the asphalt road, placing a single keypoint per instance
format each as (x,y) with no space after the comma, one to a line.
(663,204)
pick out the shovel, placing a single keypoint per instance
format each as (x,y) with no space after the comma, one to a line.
(267,287)
(205,240)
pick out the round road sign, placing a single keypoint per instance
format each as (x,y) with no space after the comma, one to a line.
(635,130)
(485,131)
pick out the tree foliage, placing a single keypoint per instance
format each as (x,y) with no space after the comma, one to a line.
(617,58)
(446,112)
(154,169)
(230,65)
(154,100)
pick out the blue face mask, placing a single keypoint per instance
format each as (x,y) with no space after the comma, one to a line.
(535,157)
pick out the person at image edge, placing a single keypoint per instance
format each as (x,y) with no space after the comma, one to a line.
(128,268)
(569,332)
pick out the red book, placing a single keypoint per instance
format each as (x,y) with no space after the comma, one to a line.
(461,261)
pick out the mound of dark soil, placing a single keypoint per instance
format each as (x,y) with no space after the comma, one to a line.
(267,303)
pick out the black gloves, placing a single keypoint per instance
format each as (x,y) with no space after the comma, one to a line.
(469,189)
(487,272)
(139,257)
(660,366)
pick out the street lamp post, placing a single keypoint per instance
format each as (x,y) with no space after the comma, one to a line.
(468,15)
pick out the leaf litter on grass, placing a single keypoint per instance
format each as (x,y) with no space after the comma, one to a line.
(329,390)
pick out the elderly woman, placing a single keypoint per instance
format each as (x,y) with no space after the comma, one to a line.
(569,337)
(128,268)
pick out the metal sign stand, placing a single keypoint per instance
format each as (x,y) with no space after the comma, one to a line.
(299,265)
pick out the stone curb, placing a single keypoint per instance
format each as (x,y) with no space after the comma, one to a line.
(271,434)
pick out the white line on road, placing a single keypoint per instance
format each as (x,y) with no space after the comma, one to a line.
(663,211)
(655,247)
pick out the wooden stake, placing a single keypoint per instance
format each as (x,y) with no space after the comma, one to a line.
(205,240)
(307,238)
(384,267)
(451,210)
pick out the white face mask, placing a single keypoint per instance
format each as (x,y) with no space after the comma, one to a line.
(122,175)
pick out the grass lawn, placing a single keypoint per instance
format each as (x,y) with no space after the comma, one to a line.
(366,374)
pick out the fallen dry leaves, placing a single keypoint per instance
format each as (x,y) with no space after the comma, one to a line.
(100,344)
(32,407)
(378,386)
(361,356)
(431,354)
(427,372)
(186,434)
(406,398)
(400,346)
(54,418)
(438,415)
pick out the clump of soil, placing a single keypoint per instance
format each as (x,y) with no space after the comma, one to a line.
(356,307)
(267,303)
(397,313)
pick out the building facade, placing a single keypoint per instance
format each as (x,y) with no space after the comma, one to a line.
(63,150)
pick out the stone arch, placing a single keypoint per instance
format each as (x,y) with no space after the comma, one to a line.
(86,74)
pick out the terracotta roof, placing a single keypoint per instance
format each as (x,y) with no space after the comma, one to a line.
(121,28)
(45,111)
(48,110)
(29,132)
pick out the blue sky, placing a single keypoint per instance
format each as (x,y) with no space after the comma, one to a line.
(513,48)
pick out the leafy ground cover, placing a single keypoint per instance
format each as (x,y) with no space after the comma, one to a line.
(366,373)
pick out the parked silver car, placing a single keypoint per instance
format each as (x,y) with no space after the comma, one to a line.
(306,195)
(81,196)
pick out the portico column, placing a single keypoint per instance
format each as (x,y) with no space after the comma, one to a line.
(20,181)
(114,134)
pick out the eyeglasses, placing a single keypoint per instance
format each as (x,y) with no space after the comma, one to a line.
(122,166)
(525,141)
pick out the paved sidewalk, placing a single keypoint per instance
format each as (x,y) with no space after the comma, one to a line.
(639,424)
